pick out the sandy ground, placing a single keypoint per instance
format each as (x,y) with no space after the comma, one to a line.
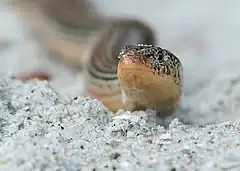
(50,126)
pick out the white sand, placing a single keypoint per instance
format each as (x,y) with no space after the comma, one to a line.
(42,128)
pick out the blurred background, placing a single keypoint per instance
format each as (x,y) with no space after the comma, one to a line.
(203,34)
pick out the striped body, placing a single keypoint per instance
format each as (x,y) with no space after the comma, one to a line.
(124,73)
(101,80)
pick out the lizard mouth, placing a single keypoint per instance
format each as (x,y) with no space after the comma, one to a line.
(138,75)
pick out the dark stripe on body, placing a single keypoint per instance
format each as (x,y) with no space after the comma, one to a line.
(104,58)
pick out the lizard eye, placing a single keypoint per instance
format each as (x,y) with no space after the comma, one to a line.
(160,56)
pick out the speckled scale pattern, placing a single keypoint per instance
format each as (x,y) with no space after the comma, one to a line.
(160,60)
